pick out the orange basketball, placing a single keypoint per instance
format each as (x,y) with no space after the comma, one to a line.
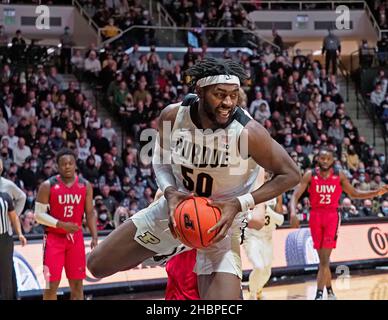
(194,217)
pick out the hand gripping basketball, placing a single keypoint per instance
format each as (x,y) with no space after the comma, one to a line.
(194,218)
(174,197)
(229,210)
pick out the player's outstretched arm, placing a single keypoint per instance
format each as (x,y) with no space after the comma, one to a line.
(299,190)
(273,157)
(359,194)
(41,207)
(91,218)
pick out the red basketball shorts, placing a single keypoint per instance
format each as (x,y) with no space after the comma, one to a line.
(182,281)
(64,250)
(324,227)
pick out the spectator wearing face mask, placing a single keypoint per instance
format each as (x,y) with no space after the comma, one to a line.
(383,209)
(104,217)
(121,214)
(363,183)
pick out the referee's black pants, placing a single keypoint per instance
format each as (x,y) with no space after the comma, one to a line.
(331,57)
(6,267)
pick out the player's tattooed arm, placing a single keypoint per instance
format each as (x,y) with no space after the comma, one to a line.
(359,194)
(299,190)
(273,157)
(91,218)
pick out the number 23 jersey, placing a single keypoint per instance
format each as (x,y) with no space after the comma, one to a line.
(67,203)
(325,193)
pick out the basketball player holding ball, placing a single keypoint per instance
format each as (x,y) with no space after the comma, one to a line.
(60,205)
(325,185)
(227,183)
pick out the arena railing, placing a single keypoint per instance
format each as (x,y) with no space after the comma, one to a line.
(378,126)
(361,100)
(163,15)
(300,5)
(346,75)
(179,36)
(89,19)
(311,6)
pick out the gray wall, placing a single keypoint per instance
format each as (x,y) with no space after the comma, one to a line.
(25,17)
(83,34)
(60,17)
(361,26)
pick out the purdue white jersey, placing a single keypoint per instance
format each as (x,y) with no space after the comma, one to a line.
(272,220)
(208,163)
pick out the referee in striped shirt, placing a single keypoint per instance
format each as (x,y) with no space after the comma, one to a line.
(8,217)
(19,199)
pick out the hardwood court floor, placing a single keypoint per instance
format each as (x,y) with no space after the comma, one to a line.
(372,287)
(354,287)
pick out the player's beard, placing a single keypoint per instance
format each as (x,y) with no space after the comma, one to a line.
(211,114)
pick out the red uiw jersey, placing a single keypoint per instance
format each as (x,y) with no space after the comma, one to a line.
(67,203)
(325,193)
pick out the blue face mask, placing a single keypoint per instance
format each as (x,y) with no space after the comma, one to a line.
(385,210)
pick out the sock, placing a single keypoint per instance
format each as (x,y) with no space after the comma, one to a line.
(329,290)
(319,293)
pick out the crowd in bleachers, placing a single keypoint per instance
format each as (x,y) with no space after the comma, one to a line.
(379,9)
(295,100)
(39,114)
(299,104)
(116,16)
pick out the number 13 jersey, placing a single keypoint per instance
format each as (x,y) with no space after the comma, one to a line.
(325,193)
(67,203)
(209,163)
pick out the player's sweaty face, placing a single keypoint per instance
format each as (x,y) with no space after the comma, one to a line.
(66,166)
(325,160)
(220,102)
